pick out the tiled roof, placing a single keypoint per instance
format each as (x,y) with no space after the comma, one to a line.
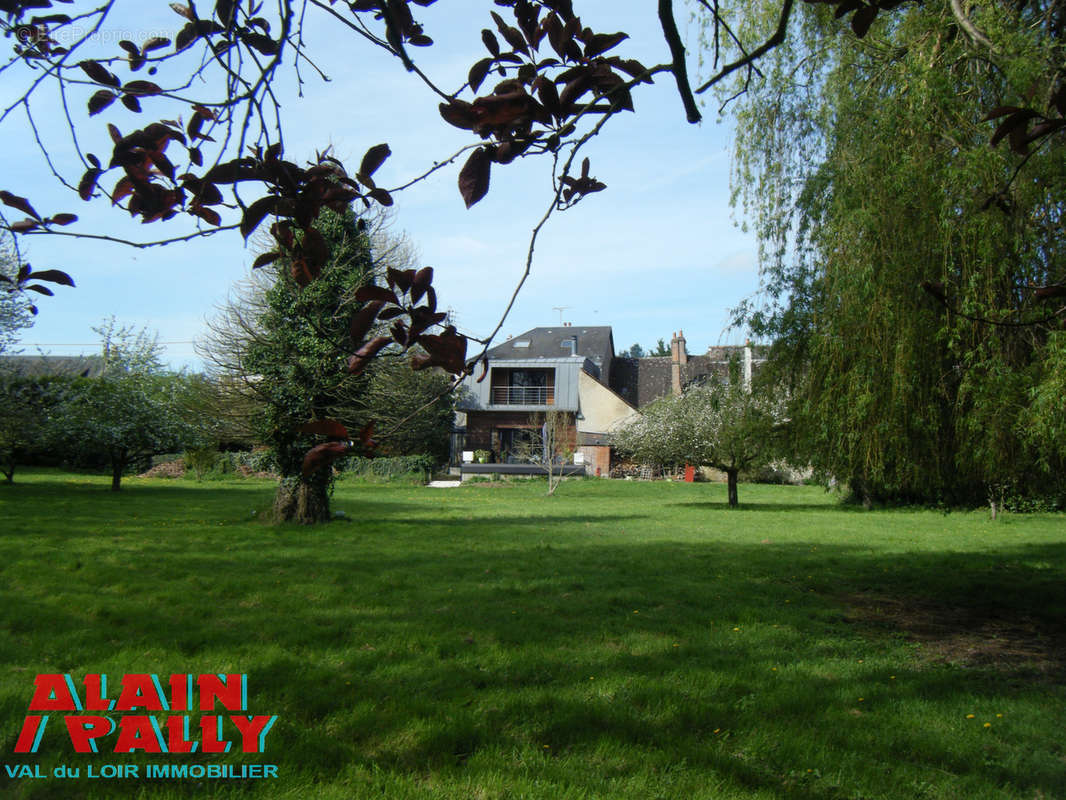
(34,366)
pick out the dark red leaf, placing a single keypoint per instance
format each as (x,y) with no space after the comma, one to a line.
(363,319)
(185,11)
(365,436)
(21,203)
(130,102)
(459,113)
(141,88)
(87,185)
(185,37)
(602,42)
(447,351)
(266,258)
(491,43)
(478,73)
(474,176)
(374,158)
(254,214)
(155,43)
(322,456)
(863,19)
(206,214)
(40,289)
(99,73)
(264,44)
(63,219)
(53,276)
(25,225)
(423,278)
(400,278)
(999,111)
(101,100)
(381,196)
(363,356)
(325,427)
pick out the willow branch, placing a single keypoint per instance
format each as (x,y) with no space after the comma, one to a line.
(758,52)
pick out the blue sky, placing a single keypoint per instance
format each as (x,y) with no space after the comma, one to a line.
(657,252)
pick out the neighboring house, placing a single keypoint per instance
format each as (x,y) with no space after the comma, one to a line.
(573,370)
(42,366)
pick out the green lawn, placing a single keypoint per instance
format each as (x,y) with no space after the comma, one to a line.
(619,640)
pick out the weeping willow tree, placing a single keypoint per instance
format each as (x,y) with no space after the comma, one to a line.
(866,168)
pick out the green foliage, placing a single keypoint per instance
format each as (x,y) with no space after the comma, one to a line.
(867,170)
(131,411)
(27,417)
(661,349)
(298,357)
(201,460)
(412,410)
(388,468)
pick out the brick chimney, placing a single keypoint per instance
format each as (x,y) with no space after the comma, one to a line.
(678,359)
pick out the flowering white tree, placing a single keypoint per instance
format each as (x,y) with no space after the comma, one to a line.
(721,425)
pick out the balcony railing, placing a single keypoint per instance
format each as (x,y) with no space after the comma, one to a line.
(523,395)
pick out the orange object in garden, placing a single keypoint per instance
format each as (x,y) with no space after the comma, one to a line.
(690,473)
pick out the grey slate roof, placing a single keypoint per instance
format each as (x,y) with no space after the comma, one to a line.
(36,366)
(594,342)
(642,380)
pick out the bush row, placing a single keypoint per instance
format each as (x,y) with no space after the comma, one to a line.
(211,463)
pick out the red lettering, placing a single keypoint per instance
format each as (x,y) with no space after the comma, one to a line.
(29,736)
(253,732)
(96,694)
(227,689)
(211,728)
(84,731)
(54,693)
(138,733)
(140,691)
(181,692)
(178,735)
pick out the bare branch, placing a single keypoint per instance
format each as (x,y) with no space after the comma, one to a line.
(749,59)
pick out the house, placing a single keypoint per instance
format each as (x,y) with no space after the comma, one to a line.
(563,369)
(573,370)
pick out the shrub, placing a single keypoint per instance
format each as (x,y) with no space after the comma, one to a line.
(201,460)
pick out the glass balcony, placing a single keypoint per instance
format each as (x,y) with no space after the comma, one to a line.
(523,395)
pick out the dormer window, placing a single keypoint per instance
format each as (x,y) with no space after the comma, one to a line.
(522,343)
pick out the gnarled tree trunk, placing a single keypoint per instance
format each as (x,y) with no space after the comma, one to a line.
(305,502)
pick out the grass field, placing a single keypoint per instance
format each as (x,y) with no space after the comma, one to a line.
(619,640)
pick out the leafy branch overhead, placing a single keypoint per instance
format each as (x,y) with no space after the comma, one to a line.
(542,83)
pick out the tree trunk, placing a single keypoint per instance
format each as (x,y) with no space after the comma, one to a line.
(732,474)
(118,466)
(302,502)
